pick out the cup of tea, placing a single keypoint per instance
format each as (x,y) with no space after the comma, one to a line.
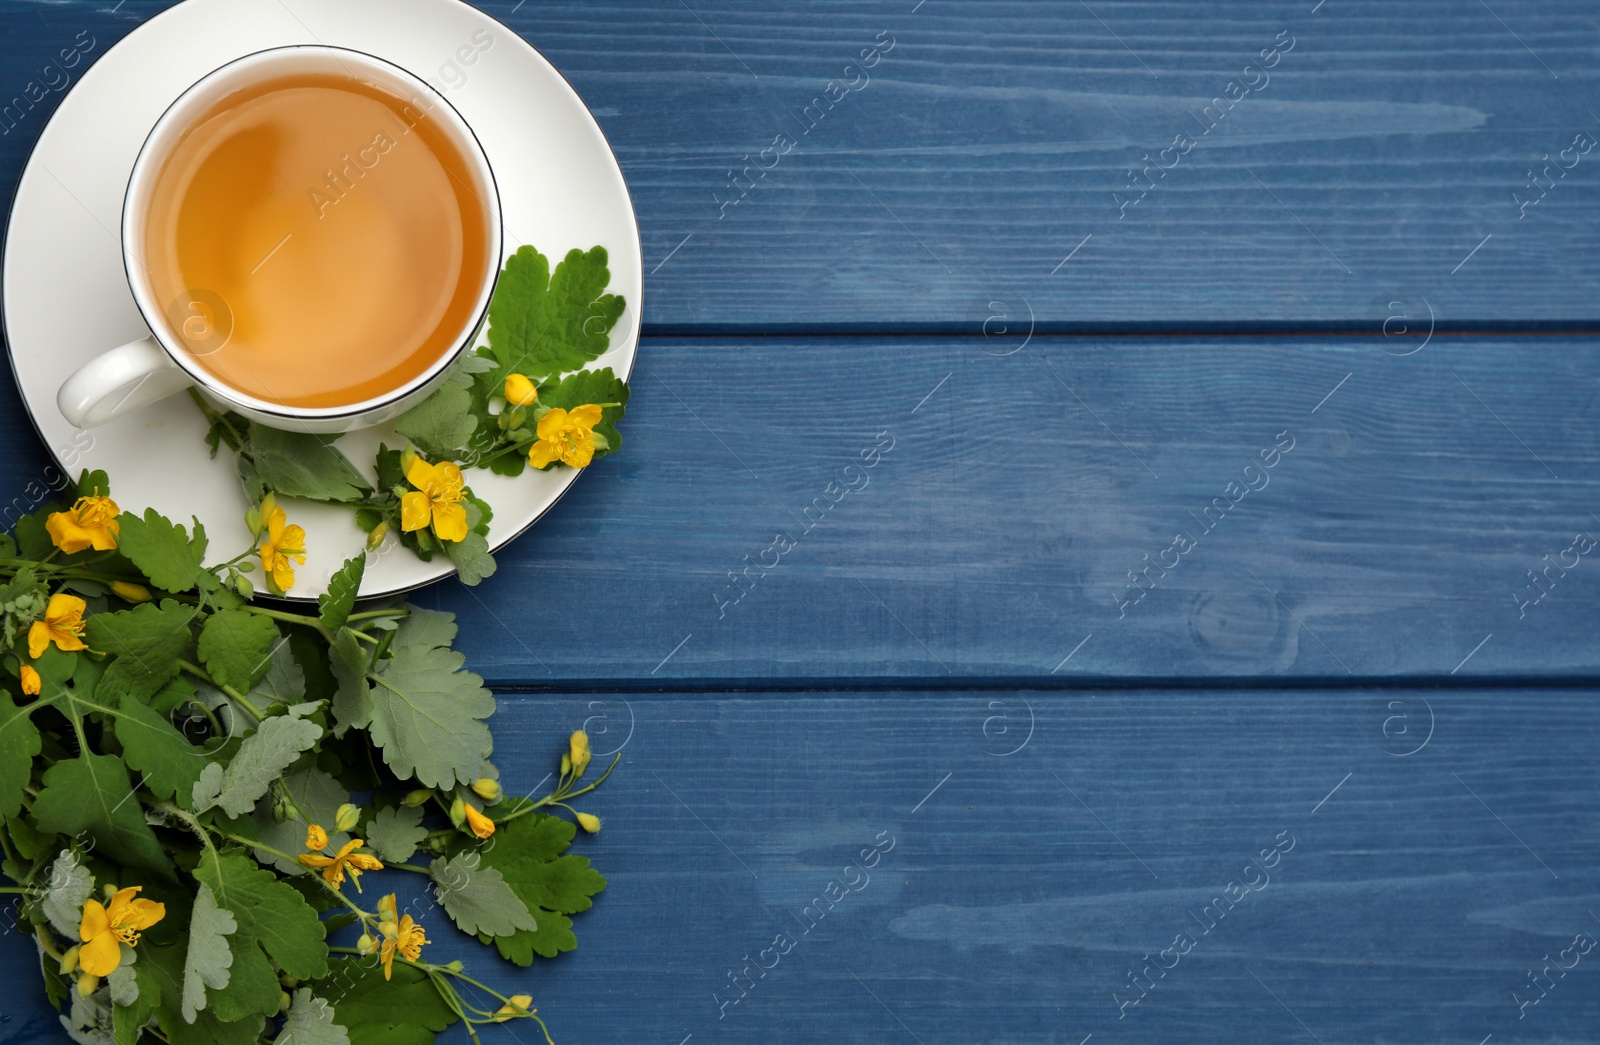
(312,235)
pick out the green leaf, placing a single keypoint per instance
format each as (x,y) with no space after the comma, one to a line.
(541,324)
(318,796)
(404,1010)
(274,922)
(426,716)
(395,833)
(69,886)
(235,646)
(124,980)
(424,627)
(92,794)
(477,898)
(310,1022)
(471,558)
(129,1018)
(19,743)
(352,704)
(148,642)
(441,424)
(592,386)
(552,886)
(33,540)
(154,748)
(164,968)
(164,552)
(298,464)
(285,680)
(209,959)
(335,604)
(94,484)
(262,758)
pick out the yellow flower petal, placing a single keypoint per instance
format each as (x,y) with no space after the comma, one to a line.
(101,954)
(31,683)
(95,921)
(316,837)
(587,415)
(38,639)
(553,423)
(481,825)
(420,474)
(542,454)
(520,391)
(415,511)
(450,522)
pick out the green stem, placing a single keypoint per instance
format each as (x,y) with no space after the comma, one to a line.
(14,889)
(232,436)
(239,698)
(374,614)
(45,942)
(364,637)
(408,867)
(366,918)
(292,618)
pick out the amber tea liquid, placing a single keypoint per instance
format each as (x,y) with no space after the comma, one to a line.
(335,225)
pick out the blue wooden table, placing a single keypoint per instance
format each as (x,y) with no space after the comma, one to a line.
(1183,417)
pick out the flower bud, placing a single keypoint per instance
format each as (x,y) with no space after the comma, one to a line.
(375,538)
(416,798)
(87,985)
(408,457)
(347,816)
(109,889)
(580,753)
(367,944)
(458,812)
(69,961)
(480,825)
(487,789)
(520,391)
(455,966)
(31,682)
(589,822)
(129,592)
(252,521)
(566,763)
(316,838)
(284,1001)
(243,586)
(517,1005)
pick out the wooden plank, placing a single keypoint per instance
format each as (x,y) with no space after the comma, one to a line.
(995,536)
(1416,885)
(1381,159)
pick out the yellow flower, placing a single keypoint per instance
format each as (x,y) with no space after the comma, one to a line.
(520,391)
(316,838)
(346,859)
(589,822)
(90,523)
(284,546)
(440,489)
(132,593)
(31,683)
(517,1005)
(580,753)
(405,936)
(567,437)
(103,931)
(481,825)
(62,625)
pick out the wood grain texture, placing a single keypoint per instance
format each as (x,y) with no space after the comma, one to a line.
(1020,889)
(989,142)
(1021,490)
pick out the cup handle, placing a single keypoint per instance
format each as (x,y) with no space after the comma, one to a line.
(120,382)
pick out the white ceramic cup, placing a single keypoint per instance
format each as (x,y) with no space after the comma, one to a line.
(142,372)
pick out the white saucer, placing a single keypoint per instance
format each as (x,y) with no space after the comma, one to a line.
(65,297)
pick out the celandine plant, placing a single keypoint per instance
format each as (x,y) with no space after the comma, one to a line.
(190,780)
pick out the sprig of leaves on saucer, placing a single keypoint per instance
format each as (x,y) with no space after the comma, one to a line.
(522,401)
(189,781)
